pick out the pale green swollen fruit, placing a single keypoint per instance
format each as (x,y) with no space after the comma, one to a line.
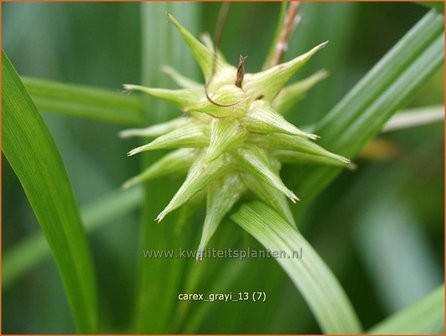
(234,146)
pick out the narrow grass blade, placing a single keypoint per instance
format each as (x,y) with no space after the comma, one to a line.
(386,87)
(402,270)
(33,250)
(423,318)
(85,102)
(361,114)
(414,117)
(312,277)
(33,155)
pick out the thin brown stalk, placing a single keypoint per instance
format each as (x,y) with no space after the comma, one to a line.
(289,25)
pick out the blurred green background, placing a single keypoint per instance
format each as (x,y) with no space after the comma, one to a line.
(380,228)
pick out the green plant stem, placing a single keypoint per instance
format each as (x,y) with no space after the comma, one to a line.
(33,250)
(85,102)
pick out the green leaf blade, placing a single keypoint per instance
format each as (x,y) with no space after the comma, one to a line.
(390,84)
(400,72)
(85,102)
(424,317)
(33,155)
(33,250)
(321,290)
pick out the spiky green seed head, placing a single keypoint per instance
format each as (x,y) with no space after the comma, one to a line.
(233,139)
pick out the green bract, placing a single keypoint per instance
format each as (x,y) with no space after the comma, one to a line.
(236,145)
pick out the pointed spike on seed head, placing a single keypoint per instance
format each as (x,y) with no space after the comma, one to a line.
(178,161)
(269,195)
(269,82)
(306,146)
(221,197)
(160,217)
(294,93)
(255,161)
(297,144)
(181,80)
(181,97)
(199,176)
(202,55)
(294,198)
(189,135)
(300,157)
(155,130)
(262,118)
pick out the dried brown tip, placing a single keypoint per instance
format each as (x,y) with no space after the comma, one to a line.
(240,71)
